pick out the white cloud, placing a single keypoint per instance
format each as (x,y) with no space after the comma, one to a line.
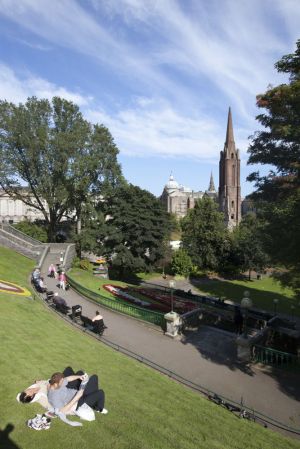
(151,127)
(229,43)
(189,56)
(17,89)
(35,45)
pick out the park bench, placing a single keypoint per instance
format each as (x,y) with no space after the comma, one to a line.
(62,308)
(76,313)
(97,326)
(49,296)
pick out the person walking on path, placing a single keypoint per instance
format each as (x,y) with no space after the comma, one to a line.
(62,280)
(52,271)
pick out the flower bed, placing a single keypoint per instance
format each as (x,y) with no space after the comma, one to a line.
(151,299)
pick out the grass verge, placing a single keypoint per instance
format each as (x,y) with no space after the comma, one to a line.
(262,292)
(146,409)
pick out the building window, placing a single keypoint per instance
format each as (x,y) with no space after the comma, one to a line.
(232,155)
(232,204)
(232,216)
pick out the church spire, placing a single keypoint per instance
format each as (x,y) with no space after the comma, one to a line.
(211,187)
(229,133)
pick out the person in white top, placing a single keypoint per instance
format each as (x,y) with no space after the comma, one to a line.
(97,316)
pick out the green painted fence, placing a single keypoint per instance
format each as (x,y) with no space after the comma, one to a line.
(276,358)
(128,309)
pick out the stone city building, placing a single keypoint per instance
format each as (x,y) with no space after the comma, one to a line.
(13,211)
(179,199)
(229,179)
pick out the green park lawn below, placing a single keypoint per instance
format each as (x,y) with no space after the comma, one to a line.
(93,283)
(262,292)
(146,409)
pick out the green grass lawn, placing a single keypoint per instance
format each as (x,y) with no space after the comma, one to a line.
(262,293)
(94,283)
(146,409)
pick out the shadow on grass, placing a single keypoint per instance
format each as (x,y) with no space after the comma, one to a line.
(130,278)
(262,299)
(5,441)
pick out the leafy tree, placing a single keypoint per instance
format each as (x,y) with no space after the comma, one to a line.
(279,145)
(204,235)
(33,230)
(248,246)
(52,159)
(181,263)
(167,253)
(93,229)
(136,227)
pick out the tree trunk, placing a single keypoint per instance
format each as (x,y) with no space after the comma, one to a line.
(51,227)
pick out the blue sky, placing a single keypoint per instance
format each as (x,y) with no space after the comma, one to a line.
(160,74)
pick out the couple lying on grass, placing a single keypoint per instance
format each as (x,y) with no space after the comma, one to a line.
(67,393)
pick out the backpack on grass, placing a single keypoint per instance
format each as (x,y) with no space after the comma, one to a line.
(39,422)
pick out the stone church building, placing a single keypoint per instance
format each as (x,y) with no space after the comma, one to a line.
(179,199)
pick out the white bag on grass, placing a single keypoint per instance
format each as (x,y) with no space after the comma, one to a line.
(85,412)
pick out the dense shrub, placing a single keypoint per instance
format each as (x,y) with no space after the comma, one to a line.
(36,231)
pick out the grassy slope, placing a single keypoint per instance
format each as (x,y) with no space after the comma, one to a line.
(36,343)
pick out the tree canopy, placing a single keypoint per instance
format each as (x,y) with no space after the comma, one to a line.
(181,263)
(279,145)
(52,159)
(204,235)
(248,244)
(136,228)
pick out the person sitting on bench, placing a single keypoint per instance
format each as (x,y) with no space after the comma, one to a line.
(60,304)
(97,317)
(98,324)
(41,286)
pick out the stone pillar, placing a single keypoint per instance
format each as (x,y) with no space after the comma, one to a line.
(244,346)
(173,322)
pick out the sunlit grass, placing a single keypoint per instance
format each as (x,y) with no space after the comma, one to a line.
(146,409)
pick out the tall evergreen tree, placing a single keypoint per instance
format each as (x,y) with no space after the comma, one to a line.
(248,245)
(204,235)
(136,228)
(279,145)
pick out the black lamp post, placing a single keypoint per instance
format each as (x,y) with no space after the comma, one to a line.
(246,304)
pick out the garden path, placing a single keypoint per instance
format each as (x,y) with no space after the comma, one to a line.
(206,358)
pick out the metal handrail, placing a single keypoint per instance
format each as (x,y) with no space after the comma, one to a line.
(22,235)
(270,356)
(156,318)
(256,414)
(43,256)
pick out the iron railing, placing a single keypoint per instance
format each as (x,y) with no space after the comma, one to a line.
(128,309)
(21,235)
(254,415)
(269,356)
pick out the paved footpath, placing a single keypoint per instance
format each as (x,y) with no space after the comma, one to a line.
(198,358)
